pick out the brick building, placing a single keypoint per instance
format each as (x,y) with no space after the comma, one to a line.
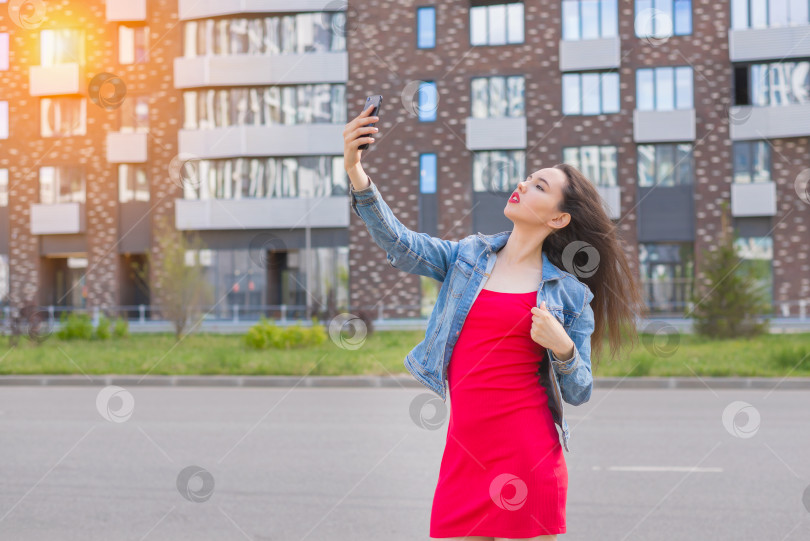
(225,120)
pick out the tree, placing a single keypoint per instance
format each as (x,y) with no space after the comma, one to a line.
(733,298)
(181,285)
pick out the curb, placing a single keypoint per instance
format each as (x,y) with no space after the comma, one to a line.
(385,381)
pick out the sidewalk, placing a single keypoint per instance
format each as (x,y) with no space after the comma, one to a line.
(402,380)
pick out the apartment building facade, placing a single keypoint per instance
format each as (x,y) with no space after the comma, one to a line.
(225,120)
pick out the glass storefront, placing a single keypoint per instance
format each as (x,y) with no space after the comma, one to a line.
(249,283)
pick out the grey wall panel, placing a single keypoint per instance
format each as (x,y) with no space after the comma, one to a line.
(666,213)
(280,239)
(488,216)
(759,226)
(429,214)
(133,227)
(243,69)
(664,126)
(192,9)
(496,133)
(5,230)
(62,244)
(769,43)
(747,122)
(589,54)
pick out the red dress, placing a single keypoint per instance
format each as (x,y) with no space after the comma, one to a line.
(503,473)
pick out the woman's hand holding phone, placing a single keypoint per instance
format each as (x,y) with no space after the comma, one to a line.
(356,134)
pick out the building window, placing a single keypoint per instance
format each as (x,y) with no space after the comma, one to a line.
(663,18)
(667,271)
(238,280)
(427,173)
(768,13)
(3,120)
(3,187)
(3,51)
(590,93)
(589,19)
(61,46)
(498,170)
(664,88)
(134,115)
(665,164)
(241,178)
(756,257)
(752,161)
(773,84)
(280,34)
(61,184)
(264,106)
(133,44)
(63,116)
(496,24)
(426,27)
(133,184)
(498,96)
(597,163)
(428,101)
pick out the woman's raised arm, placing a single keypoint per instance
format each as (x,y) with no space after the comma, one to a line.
(416,253)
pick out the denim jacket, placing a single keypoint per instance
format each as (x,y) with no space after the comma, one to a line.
(462,267)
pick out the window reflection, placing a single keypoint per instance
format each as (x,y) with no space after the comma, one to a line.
(264,106)
(597,163)
(665,164)
(497,96)
(280,34)
(497,24)
(667,275)
(752,161)
(239,178)
(664,88)
(498,170)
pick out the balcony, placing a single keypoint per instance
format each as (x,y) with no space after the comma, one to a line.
(126,147)
(57,218)
(753,199)
(55,80)
(198,9)
(750,122)
(244,69)
(268,213)
(663,126)
(126,10)
(590,54)
(273,140)
(780,43)
(496,133)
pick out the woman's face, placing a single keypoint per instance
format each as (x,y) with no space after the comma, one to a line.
(536,200)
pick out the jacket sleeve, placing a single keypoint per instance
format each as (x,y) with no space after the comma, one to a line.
(415,253)
(574,374)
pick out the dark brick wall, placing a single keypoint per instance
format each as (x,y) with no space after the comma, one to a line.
(384,59)
(25,151)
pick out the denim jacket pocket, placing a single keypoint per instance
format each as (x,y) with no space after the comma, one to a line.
(462,271)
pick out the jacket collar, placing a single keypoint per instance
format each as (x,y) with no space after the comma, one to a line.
(497,241)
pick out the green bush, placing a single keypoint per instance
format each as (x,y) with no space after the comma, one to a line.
(790,357)
(121,328)
(103,328)
(75,326)
(266,334)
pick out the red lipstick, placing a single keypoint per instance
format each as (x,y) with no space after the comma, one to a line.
(515,198)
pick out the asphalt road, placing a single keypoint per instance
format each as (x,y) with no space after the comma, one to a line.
(354,464)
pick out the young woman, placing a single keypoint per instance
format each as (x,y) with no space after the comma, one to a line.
(552,284)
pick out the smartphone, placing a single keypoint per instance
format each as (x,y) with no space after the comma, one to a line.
(376,101)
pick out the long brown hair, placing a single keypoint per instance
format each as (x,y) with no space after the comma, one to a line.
(617,296)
